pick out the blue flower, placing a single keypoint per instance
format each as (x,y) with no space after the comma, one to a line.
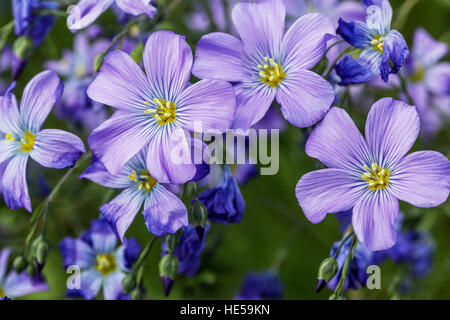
(261,285)
(357,271)
(224,203)
(189,250)
(381,47)
(101,263)
(13,285)
(21,137)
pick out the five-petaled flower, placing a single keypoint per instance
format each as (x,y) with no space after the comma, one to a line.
(156,109)
(21,137)
(383,50)
(370,175)
(267,63)
(101,263)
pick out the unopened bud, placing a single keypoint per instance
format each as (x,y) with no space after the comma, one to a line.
(173,240)
(327,270)
(198,214)
(137,294)
(168,266)
(23,47)
(19,264)
(32,269)
(167,285)
(98,61)
(128,283)
(136,54)
(41,249)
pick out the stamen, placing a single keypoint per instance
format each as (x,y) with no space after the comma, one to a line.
(271,73)
(376,177)
(163,111)
(10,137)
(378,43)
(145,181)
(106,263)
(27,141)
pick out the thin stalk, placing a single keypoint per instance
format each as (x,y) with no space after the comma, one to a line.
(144,254)
(335,61)
(342,243)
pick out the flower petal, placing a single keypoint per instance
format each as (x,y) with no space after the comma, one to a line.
(91,282)
(365,68)
(327,191)
(76,252)
(57,149)
(260,26)
(18,285)
(15,189)
(168,63)
(379,16)
(356,33)
(337,142)
(97,173)
(211,103)
(219,56)
(121,84)
(119,138)
(120,212)
(137,7)
(306,41)
(4,255)
(39,97)
(438,79)
(422,179)
(103,238)
(8,149)
(373,220)
(391,129)
(164,212)
(305,98)
(10,121)
(398,50)
(112,284)
(426,50)
(86,12)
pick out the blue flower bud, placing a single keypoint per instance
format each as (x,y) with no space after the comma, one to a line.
(327,270)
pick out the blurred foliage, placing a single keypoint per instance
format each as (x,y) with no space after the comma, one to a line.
(273,225)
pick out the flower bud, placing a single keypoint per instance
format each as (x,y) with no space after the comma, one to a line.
(32,269)
(167,285)
(172,241)
(98,61)
(137,52)
(168,266)
(128,283)
(19,264)
(40,249)
(136,294)
(327,270)
(23,47)
(198,214)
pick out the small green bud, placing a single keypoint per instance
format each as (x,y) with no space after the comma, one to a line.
(173,240)
(191,190)
(98,61)
(168,266)
(198,214)
(328,269)
(23,47)
(128,283)
(40,249)
(136,294)
(32,269)
(19,264)
(137,52)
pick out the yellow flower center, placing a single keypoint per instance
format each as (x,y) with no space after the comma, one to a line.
(2,292)
(10,137)
(163,111)
(376,177)
(145,181)
(106,263)
(378,43)
(271,72)
(27,141)
(419,75)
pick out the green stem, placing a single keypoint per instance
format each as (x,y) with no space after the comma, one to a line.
(144,254)
(342,243)
(333,45)
(340,288)
(404,88)
(404,11)
(331,67)
(49,12)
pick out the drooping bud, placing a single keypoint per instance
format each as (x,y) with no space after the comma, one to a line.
(173,240)
(167,285)
(19,264)
(128,283)
(137,294)
(168,266)
(40,249)
(23,47)
(327,270)
(198,215)
(32,269)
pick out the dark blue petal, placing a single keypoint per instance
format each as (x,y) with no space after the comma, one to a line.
(353,71)
(356,33)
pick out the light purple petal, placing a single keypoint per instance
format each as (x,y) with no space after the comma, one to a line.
(209,102)
(169,158)
(260,26)
(379,17)
(327,191)
(305,97)
(103,238)
(15,189)
(76,252)
(18,285)
(121,84)
(57,149)
(97,173)
(120,212)
(337,142)
(91,282)
(349,11)
(426,50)
(438,79)
(422,178)
(391,129)
(86,12)
(4,255)
(38,99)
(137,7)
(112,285)
(10,121)
(168,63)
(164,212)
(8,149)
(219,56)
(306,41)
(373,220)
(119,138)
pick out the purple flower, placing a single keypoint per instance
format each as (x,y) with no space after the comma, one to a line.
(156,109)
(380,45)
(21,137)
(199,20)
(164,213)
(101,263)
(429,79)
(370,175)
(189,250)
(13,285)
(261,285)
(267,63)
(224,203)
(357,274)
(87,11)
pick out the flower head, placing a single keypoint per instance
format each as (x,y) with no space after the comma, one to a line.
(101,263)
(261,285)
(13,285)
(156,109)
(267,63)
(21,137)
(164,212)
(370,175)
(380,46)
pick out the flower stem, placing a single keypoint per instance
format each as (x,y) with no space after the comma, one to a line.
(342,243)
(347,50)
(144,254)
(404,11)
(340,288)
